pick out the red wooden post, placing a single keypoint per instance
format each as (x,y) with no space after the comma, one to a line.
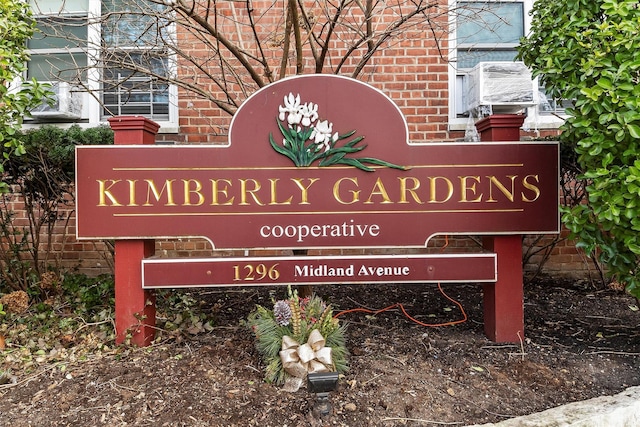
(504,300)
(135,307)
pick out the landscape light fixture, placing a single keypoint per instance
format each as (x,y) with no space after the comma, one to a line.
(321,384)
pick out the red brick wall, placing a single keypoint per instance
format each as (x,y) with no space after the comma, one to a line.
(412,70)
(95,257)
(60,249)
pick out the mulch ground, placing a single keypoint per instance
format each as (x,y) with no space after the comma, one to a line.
(580,341)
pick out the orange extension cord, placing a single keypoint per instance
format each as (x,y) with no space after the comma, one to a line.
(404,311)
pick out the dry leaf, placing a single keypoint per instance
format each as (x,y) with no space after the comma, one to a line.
(16,302)
(451,392)
(3,343)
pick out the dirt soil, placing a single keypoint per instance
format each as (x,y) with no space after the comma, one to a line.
(580,342)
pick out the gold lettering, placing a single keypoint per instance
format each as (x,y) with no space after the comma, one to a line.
(433,197)
(132,192)
(188,191)
(152,189)
(493,180)
(304,191)
(378,190)
(355,194)
(410,190)
(274,196)
(105,192)
(464,187)
(244,191)
(526,184)
(215,190)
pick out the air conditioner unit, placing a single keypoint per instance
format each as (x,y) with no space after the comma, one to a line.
(504,87)
(67,104)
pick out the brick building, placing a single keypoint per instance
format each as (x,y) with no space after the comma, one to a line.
(188,67)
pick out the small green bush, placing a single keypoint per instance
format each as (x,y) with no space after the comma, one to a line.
(51,149)
(43,179)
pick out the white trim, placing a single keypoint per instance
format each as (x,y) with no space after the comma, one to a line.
(93,72)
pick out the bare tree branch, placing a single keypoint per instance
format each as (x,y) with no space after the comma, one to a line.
(267,71)
(189,13)
(286,44)
(295,24)
(325,47)
(223,50)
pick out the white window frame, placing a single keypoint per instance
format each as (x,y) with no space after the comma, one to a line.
(534,120)
(39,13)
(171,70)
(91,104)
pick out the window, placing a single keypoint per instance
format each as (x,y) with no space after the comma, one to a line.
(58,52)
(487,31)
(124,70)
(134,60)
(58,48)
(125,92)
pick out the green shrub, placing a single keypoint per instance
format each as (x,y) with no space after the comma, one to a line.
(587,52)
(42,178)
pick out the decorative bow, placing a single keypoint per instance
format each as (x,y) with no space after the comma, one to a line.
(300,360)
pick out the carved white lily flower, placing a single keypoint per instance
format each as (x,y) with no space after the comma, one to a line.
(291,106)
(294,118)
(309,113)
(321,134)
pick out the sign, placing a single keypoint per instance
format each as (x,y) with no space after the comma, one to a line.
(267,271)
(317,162)
(314,162)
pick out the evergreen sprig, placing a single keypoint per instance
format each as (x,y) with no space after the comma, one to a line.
(307,314)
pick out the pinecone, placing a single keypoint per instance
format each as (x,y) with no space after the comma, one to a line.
(282,313)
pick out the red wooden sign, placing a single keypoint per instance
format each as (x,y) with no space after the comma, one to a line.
(267,271)
(317,162)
